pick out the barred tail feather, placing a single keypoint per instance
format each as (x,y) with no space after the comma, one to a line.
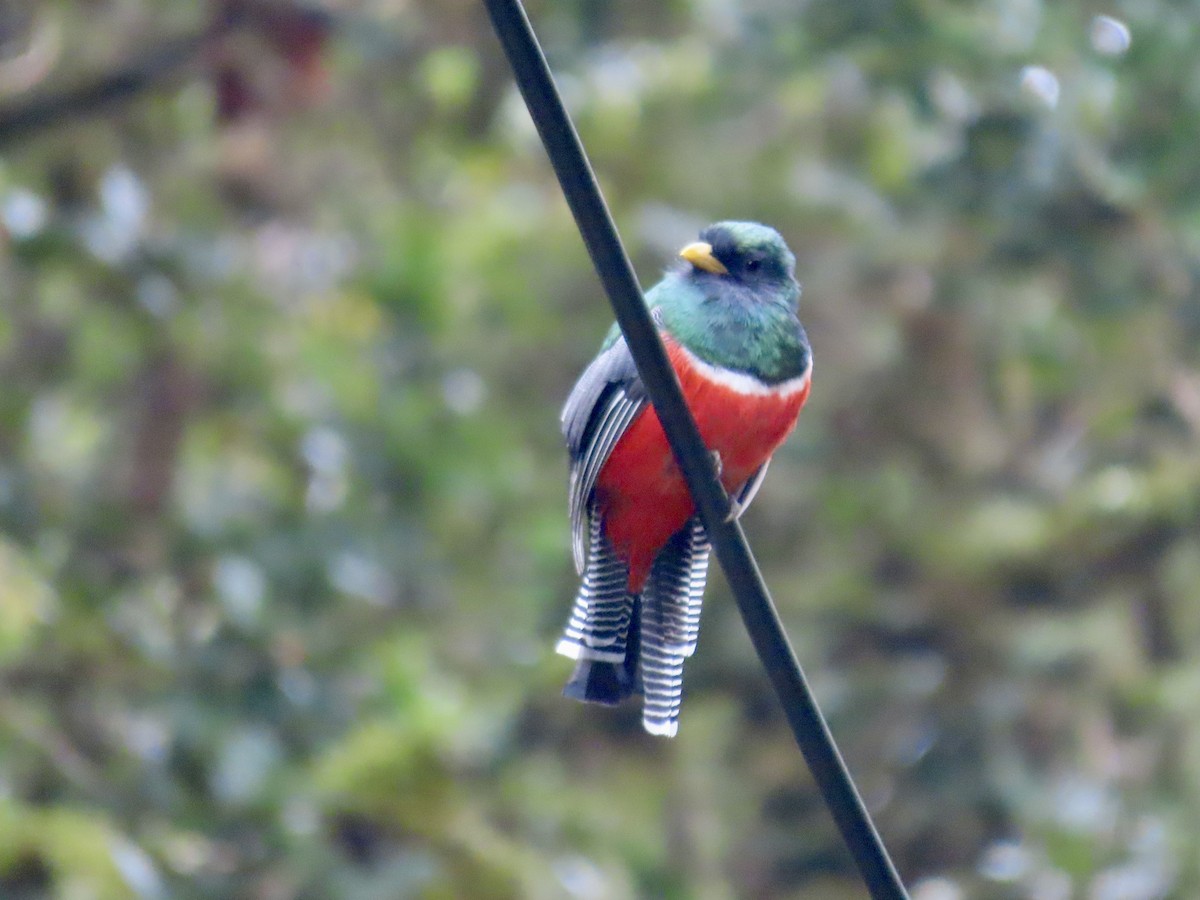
(596,681)
(698,551)
(600,617)
(626,644)
(670,625)
(601,633)
(662,681)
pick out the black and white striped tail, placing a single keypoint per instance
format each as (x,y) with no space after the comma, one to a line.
(670,624)
(626,643)
(598,634)
(597,681)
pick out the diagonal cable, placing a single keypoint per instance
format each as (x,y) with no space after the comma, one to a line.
(754,602)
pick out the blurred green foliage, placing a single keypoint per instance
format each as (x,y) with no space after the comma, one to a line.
(283,550)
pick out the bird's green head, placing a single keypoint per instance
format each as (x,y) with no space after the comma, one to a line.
(747,253)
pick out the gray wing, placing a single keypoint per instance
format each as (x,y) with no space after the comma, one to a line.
(605,401)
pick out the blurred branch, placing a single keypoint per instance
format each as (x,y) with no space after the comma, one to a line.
(294,30)
(149,71)
(54,743)
(22,68)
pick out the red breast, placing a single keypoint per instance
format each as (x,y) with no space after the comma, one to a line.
(641,491)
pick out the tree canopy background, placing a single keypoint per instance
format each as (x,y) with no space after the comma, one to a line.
(289,303)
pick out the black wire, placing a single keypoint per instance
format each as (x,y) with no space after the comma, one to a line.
(766,631)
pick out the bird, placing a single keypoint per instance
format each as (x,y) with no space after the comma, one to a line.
(728,314)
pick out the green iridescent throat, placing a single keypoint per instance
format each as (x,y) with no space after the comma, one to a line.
(761,337)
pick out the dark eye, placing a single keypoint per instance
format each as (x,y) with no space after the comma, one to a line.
(752,265)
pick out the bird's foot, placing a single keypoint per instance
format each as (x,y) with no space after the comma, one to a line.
(735,511)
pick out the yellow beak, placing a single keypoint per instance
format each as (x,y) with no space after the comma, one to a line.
(701,256)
